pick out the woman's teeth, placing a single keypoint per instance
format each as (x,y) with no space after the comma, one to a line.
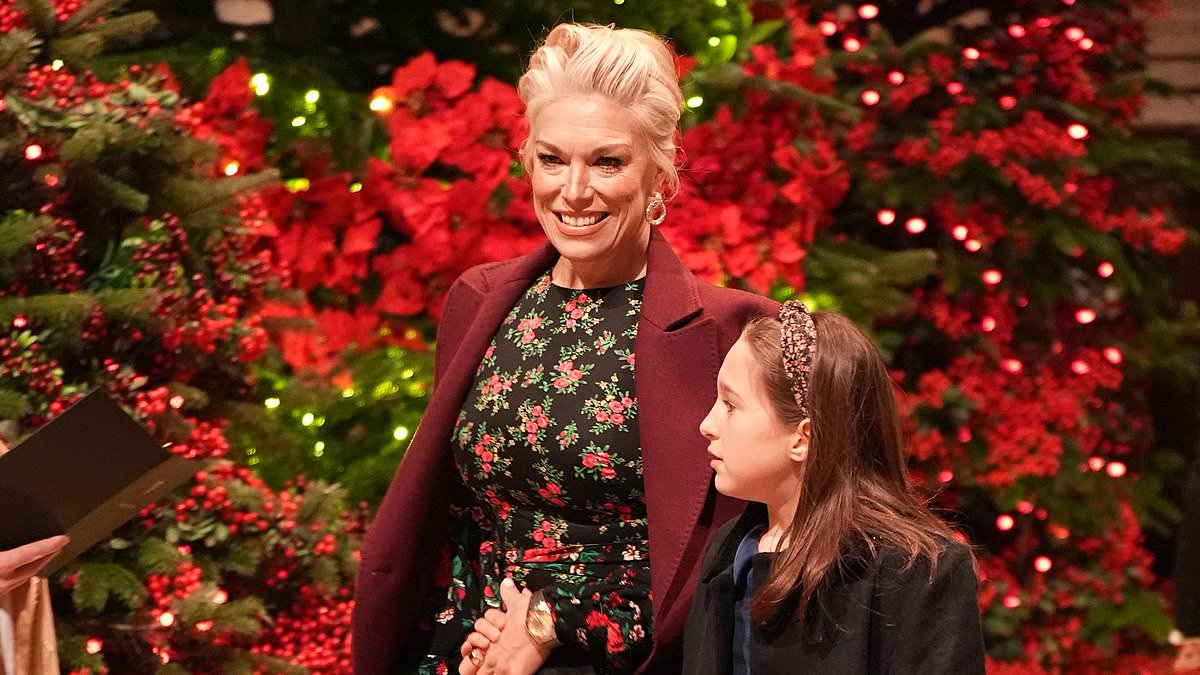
(585,221)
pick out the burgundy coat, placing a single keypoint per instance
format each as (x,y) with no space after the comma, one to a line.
(685,329)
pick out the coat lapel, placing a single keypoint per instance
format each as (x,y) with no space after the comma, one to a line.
(677,363)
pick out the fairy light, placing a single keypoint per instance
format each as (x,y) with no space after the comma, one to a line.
(261,82)
(1059,532)
(1044,22)
(312,96)
(954,88)
(1116,469)
(232,167)
(308,419)
(93,646)
(1008,102)
(299,121)
(33,152)
(1085,316)
(915,225)
(204,626)
(695,102)
(714,41)
(1113,355)
(20,321)
(959,232)
(971,54)
(870,97)
(176,401)
(271,403)
(1025,506)
(1087,43)
(1074,33)
(851,44)
(400,433)
(1013,366)
(964,435)
(1080,367)
(356,186)
(992,277)
(381,104)
(220,597)
(1042,564)
(166,619)
(973,245)
(1005,522)
(827,28)
(886,217)
(1012,601)
(868,12)
(988,324)
(1077,131)
(1095,463)
(945,476)
(1017,31)
(895,78)
(295,185)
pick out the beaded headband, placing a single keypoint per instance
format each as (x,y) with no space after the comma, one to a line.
(799,340)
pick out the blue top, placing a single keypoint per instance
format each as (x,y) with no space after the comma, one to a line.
(744,585)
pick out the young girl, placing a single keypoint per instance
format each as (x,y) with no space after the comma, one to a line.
(835,567)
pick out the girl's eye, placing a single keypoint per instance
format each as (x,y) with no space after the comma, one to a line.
(728,405)
(610,162)
(547,158)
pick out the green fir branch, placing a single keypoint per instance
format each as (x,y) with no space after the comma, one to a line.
(13,404)
(18,231)
(17,50)
(42,14)
(64,312)
(96,582)
(92,10)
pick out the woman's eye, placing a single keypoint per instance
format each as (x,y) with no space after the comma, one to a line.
(610,162)
(547,158)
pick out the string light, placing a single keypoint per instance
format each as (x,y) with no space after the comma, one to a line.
(992,277)
(295,185)
(166,619)
(1011,601)
(896,78)
(971,54)
(954,88)
(299,121)
(714,41)
(1017,31)
(959,232)
(400,433)
(220,597)
(1085,316)
(868,12)
(308,419)
(1005,522)
(973,245)
(870,97)
(56,65)
(852,44)
(1113,355)
(915,225)
(1012,365)
(827,28)
(232,168)
(93,646)
(381,104)
(1086,44)
(1116,469)
(988,324)
(176,401)
(1042,564)
(886,217)
(695,102)
(1059,532)
(204,626)
(1074,33)
(964,435)
(1008,102)
(33,152)
(1095,463)
(271,403)
(1080,367)
(356,186)
(20,321)
(1044,22)
(261,82)
(945,476)
(312,96)
(1077,131)
(1025,506)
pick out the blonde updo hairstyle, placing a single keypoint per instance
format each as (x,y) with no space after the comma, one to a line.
(632,68)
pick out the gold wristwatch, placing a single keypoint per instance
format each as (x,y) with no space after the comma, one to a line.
(539,621)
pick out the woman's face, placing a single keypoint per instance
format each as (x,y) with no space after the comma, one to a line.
(753,453)
(592,177)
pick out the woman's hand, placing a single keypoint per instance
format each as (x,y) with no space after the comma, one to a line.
(18,564)
(474,648)
(513,652)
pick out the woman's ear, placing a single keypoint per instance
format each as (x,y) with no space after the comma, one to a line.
(798,452)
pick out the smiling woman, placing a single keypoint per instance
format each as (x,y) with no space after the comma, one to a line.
(559,448)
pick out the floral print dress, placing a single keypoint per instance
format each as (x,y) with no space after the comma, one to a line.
(550,462)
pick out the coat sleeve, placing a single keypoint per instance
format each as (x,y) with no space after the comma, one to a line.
(938,619)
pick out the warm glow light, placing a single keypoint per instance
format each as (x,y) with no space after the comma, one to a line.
(166,619)
(1012,365)
(992,277)
(1012,601)
(176,402)
(1077,131)
(220,597)
(1113,355)
(232,167)
(1042,564)
(33,152)
(271,403)
(1116,469)
(20,321)
(1017,31)
(945,476)
(954,88)
(971,54)
(1087,43)
(1059,532)
(261,83)
(1085,316)
(973,245)
(1025,506)
(1074,33)
(93,646)
(312,96)
(1105,270)
(308,419)
(852,44)
(1095,463)
(204,626)
(886,217)
(1008,102)
(400,433)
(827,28)
(988,324)
(714,41)
(870,97)
(1080,368)
(381,104)
(1005,522)
(915,225)
(1044,22)
(960,232)
(896,78)
(299,121)
(868,12)
(695,102)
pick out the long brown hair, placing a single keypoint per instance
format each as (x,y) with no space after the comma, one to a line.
(855,496)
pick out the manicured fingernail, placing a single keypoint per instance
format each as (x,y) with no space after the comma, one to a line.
(508,582)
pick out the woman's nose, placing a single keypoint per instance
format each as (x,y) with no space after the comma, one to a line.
(578,188)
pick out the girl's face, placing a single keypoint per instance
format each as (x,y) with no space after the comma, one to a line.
(756,456)
(592,176)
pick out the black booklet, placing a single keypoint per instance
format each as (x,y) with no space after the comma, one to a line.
(84,474)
